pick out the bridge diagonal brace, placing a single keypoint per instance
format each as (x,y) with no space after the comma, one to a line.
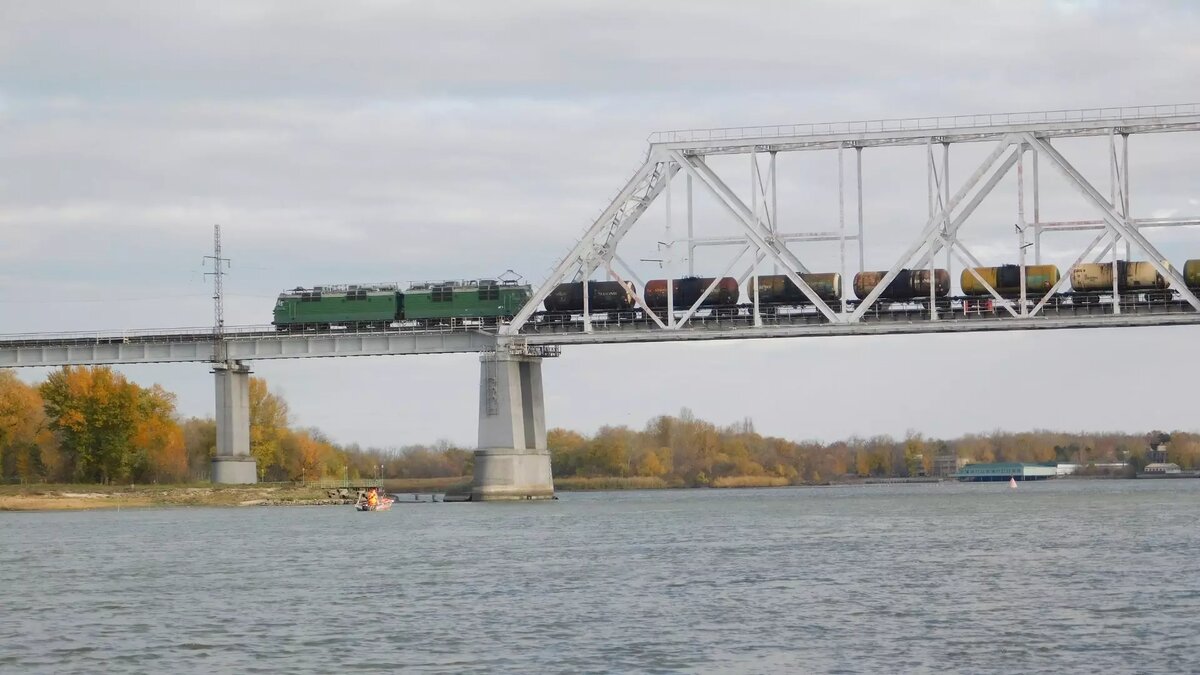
(1062,280)
(956,223)
(711,285)
(637,298)
(1117,223)
(931,234)
(586,247)
(621,225)
(971,263)
(758,258)
(758,234)
(755,228)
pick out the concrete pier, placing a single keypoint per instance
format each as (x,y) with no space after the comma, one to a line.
(233,463)
(512,461)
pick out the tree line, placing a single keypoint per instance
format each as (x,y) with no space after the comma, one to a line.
(91,424)
(682,450)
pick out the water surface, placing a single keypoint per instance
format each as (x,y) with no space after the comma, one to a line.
(1065,576)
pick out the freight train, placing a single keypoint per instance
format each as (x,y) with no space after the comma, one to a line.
(489,302)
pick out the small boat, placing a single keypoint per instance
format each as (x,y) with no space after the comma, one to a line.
(1012,482)
(374,502)
(383,504)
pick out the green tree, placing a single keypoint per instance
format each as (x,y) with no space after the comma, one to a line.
(93,411)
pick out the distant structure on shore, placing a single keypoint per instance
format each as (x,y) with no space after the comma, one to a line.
(1004,471)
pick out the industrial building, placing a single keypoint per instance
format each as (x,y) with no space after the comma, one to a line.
(1002,471)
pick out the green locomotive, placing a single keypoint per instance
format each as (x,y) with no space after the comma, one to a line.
(483,302)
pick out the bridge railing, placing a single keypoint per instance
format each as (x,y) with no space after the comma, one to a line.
(926,123)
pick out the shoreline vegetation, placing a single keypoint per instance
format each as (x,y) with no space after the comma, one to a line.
(73,439)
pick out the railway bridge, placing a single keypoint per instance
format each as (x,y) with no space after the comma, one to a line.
(512,461)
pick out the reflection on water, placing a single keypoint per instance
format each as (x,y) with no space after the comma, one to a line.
(1066,576)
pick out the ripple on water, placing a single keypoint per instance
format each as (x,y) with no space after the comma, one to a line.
(1063,577)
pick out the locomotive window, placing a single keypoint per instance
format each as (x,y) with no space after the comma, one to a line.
(442,294)
(491,292)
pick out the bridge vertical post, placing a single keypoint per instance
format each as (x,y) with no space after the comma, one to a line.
(233,463)
(512,461)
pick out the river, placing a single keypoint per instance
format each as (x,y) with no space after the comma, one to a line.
(1061,576)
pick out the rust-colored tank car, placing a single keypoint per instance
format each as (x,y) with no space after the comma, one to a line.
(779,289)
(1191,273)
(687,290)
(604,296)
(1006,279)
(908,284)
(1131,276)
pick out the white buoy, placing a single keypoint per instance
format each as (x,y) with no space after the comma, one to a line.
(1012,482)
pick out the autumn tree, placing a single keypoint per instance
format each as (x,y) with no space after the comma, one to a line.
(200,444)
(93,411)
(567,451)
(268,428)
(159,452)
(27,447)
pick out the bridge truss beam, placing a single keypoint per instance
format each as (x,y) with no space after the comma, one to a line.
(1019,139)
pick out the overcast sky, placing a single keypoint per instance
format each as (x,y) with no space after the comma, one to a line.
(397,141)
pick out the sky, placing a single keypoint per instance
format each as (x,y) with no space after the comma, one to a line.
(398,141)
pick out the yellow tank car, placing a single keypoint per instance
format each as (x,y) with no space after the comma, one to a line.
(1131,276)
(1191,273)
(779,289)
(1006,279)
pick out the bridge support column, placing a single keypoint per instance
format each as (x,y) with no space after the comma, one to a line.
(512,461)
(233,462)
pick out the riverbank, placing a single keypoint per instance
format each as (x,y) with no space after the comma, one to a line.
(79,497)
(71,497)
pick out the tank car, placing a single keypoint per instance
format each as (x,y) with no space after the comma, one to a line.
(1191,273)
(778,289)
(1006,279)
(908,284)
(686,291)
(1131,276)
(603,296)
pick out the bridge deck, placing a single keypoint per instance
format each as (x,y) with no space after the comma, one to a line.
(249,343)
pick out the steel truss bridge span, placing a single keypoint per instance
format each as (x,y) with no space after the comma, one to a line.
(1020,143)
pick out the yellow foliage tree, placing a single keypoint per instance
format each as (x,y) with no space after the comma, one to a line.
(27,447)
(268,427)
(158,438)
(308,458)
